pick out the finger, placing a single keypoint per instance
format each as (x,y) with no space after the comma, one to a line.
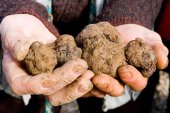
(108,85)
(45,83)
(73,91)
(69,72)
(132,77)
(87,95)
(17,44)
(162,55)
(20,82)
(95,92)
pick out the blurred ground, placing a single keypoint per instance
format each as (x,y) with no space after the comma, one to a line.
(161,94)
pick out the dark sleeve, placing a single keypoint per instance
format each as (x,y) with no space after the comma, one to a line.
(142,12)
(68,10)
(9,7)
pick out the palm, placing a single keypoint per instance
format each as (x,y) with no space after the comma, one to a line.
(18,33)
(131,31)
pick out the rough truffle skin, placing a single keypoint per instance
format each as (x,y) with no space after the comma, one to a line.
(102,48)
(66,49)
(140,55)
(40,59)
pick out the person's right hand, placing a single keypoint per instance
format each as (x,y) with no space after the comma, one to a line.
(65,84)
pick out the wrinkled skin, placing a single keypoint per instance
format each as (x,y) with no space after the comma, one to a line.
(63,85)
(25,27)
(129,75)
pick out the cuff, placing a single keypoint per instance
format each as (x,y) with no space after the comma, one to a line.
(114,102)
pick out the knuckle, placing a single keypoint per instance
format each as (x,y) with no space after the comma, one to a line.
(14,87)
(68,97)
(53,101)
(119,92)
(62,80)
(78,61)
(37,90)
(34,87)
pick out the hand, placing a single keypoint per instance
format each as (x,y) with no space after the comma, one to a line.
(129,75)
(65,84)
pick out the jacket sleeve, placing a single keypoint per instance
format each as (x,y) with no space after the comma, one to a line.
(68,10)
(142,12)
(9,7)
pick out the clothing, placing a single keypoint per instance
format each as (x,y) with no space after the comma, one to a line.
(115,11)
(163,28)
(70,16)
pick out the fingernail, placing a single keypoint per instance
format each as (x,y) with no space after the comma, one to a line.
(78,69)
(126,75)
(21,49)
(85,88)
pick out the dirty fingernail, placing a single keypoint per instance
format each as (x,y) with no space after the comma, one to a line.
(78,69)
(85,88)
(126,75)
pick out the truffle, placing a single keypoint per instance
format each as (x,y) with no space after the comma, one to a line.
(102,48)
(40,59)
(66,49)
(141,56)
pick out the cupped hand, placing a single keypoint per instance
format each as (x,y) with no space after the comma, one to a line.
(128,74)
(65,84)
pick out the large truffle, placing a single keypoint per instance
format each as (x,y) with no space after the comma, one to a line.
(40,59)
(141,56)
(102,48)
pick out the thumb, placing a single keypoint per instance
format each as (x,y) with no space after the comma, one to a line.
(17,44)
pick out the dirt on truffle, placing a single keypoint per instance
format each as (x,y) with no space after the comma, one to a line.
(66,49)
(140,55)
(40,59)
(43,58)
(102,48)
(100,45)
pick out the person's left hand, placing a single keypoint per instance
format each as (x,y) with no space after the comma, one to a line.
(130,76)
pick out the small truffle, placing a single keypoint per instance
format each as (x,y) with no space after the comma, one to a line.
(141,56)
(102,48)
(66,49)
(40,59)
(43,58)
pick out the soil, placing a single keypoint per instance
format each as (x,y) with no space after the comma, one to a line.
(66,49)
(40,59)
(140,55)
(100,45)
(102,48)
(43,58)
